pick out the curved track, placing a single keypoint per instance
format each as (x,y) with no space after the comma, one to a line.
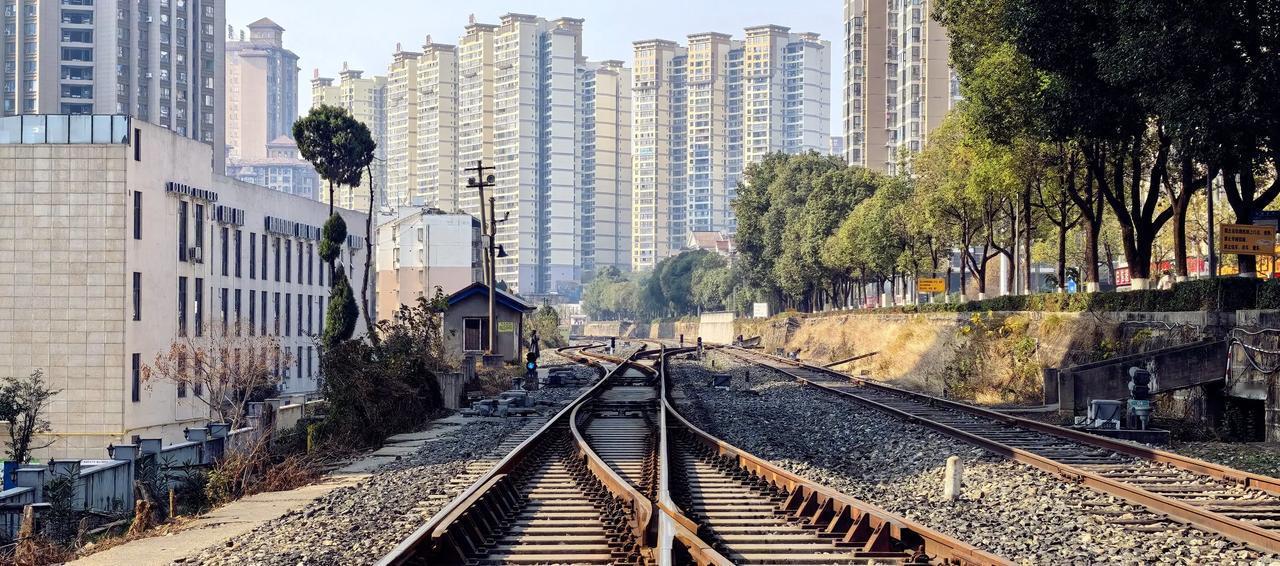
(619,477)
(1238,505)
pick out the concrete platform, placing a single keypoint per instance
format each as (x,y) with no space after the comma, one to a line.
(242,516)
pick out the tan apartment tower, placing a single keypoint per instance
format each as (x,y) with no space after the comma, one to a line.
(898,83)
(402,127)
(438,181)
(365,99)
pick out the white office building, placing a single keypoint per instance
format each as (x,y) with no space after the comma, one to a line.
(135,244)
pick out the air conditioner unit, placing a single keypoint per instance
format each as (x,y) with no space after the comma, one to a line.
(148,75)
(195,255)
(148,19)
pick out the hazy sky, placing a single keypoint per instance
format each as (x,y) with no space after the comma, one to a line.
(324,33)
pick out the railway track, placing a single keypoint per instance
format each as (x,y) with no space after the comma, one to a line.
(1238,505)
(619,477)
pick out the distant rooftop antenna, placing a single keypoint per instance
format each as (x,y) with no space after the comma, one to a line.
(428,39)
(231,31)
(471,20)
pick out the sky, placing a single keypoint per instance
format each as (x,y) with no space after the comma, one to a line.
(324,33)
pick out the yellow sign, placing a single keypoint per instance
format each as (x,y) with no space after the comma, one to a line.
(1244,239)
(932,285)
(506,326)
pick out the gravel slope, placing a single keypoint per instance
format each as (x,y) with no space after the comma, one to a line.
(1008,508)
(359,524)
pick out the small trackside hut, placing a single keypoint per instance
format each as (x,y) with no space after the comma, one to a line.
(466,323)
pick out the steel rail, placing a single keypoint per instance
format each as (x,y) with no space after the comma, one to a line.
(824,505)
(422,540)
(1234,529)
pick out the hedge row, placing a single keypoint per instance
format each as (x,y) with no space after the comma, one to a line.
(1223,294)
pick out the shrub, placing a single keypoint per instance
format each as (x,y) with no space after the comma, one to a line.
(332,236)
(340,319)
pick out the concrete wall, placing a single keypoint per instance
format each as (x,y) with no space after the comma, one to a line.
(1172,369)
(716,327)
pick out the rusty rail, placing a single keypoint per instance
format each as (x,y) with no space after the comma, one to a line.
(837,514)
(1234,529)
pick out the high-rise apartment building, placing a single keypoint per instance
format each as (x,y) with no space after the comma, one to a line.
(606,166)
(898,82)
(262,105)
(703,112)
(437,166)
(366,100)
(262,90)
(519,97)
(402,127)
(158,60)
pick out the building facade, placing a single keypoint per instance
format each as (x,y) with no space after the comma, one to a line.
(898,82)
(137,244)
(605,167)
(157,60)
(420,249)
(402,128)
(438,173)
(281,169)
(706,110)
(366,100)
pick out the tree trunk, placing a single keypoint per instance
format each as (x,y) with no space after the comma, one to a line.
(1027,228)
(1062,258)
(370,326)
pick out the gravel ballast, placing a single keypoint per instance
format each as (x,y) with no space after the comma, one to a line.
(1007,508)
(361,523)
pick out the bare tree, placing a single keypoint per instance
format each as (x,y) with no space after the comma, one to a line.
(225,369)
(23,402)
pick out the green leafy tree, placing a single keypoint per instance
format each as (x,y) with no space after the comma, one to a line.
(342,313)
(339,146)
(24,403)
(546,322)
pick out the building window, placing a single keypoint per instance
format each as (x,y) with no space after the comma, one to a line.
(310,368)
(137,144)
(288,315)
(301,259)
(238,239)
(182,306)
(222,295)
(137,215)
(199,233)
(323,301)
(137,296)
(237,296)
(299,299)
(199,307)
(275,305)
(311,329)
(253,255)
(275,248)
(475,335)
(253,319)
(135,389)
(300,374)
(288,262)
(226,250)
(264,257)
(182,230)
(310,266)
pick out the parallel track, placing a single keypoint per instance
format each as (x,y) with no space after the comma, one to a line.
(619,477)
(1239,505)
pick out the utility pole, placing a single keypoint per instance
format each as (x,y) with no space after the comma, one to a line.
(479,182)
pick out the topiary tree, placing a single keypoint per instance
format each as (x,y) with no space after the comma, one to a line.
(332,237)
(338,145)
(340,320)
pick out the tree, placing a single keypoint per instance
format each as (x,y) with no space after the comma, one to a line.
(23,404)
(546,323)
(1054,197)
(224,368)
(342,314)
(339,146)
(787,207)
